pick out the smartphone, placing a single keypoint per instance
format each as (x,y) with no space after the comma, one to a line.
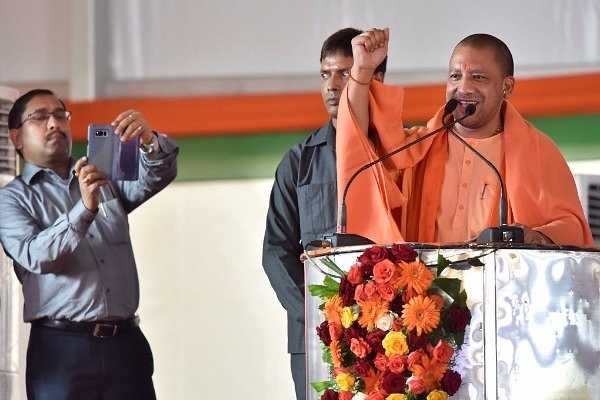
(117,160)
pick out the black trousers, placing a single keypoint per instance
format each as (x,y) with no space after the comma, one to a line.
(64,365)
(298,366)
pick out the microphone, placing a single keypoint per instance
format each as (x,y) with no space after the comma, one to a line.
(341,238)
(504,232)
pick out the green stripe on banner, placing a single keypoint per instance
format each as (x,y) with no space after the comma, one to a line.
(256,156)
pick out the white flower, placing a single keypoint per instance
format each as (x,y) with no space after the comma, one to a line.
(386,322)
(359,396)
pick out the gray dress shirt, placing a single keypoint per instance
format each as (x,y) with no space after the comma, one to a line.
(72,263)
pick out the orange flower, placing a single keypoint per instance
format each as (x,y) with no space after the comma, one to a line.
(421,313)
(372,381)
(386,291)
(415,276)
(430,371)
(360,347)
(333,310)
(383,271)
(442,352)
(437,299)
(355,275)
(335,331)
(371,312)
(336,353)
(344,395)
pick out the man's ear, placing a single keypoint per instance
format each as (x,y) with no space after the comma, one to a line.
(508,87)
(15,138)
(378,76)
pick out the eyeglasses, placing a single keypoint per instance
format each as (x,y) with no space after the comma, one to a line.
(40,117)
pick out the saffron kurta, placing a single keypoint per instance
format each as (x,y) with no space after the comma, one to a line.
(399,199)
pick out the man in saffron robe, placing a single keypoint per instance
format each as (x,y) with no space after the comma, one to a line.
(438,190)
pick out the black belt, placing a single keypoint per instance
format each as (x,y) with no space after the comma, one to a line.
(98,329)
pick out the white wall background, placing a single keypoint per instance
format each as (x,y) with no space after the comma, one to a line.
(104,48)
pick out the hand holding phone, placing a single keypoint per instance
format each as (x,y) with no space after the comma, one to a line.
(117,160)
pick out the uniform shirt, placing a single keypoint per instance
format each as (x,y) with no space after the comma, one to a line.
(73,263)
(302,207)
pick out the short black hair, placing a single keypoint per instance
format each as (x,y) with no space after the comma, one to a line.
(341,42)
(503,55)
(15,114)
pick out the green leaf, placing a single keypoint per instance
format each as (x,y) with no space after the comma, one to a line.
(322,385)
(442,263)
(461,300)
(475,262)
(328,262)
(449,285)
(329,288)
(459,339)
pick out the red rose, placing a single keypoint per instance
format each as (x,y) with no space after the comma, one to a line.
(374,338)
(329,395)
(353,332)
(416,342)
(451,382)
(363,367)
(459,319)
(393,383)
(402,252)
(346,292)
(373,255)
(367,271)
(323,333)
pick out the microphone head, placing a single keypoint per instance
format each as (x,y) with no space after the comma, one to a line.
(449,107)
(470,109)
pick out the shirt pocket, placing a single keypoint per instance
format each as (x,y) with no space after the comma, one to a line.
(317,203)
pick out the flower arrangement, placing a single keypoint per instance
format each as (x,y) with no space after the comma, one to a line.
(392,328)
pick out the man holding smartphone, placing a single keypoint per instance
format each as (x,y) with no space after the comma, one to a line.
(76,266)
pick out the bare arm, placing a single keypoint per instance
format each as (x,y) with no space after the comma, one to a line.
(369,49)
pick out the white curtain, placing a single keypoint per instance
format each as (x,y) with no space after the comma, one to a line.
(186,39)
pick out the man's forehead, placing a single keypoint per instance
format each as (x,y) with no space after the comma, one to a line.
(336,61)
(44,101)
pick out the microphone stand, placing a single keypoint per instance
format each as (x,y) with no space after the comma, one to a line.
(341,238)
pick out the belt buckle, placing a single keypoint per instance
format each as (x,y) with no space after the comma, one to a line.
(104,331)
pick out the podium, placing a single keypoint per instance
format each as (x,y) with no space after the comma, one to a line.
(535,326)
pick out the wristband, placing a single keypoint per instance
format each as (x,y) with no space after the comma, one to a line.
(359,82)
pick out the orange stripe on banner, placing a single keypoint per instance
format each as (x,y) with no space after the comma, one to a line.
(222,115)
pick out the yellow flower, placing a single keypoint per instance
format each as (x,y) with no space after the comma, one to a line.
(395,343)
(437,395)
(347,317)
(397,396)
(422,314)
(345,381)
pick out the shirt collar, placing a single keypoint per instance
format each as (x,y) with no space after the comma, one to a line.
(32,170)
(324,135)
